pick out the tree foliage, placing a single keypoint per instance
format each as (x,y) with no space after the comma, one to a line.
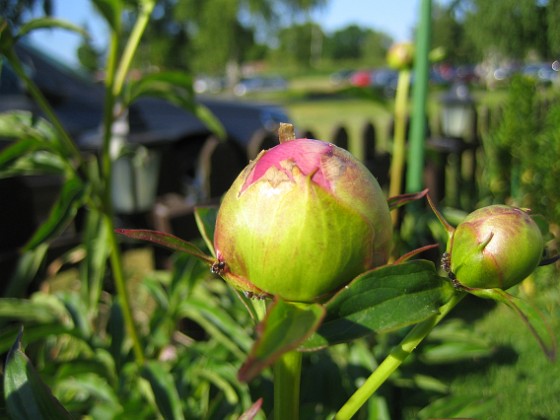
(470,30)
(210,35)
(355,42)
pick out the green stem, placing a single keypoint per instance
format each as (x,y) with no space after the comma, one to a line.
(287,377)
(399,141)
(122,293)
(132,45)
(107,207)
(394,360)
(114,84)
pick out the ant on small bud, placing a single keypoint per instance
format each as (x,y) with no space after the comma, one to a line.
(218,268)
(446,266)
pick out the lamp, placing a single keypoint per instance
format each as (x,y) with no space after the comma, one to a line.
(458,113)
(135,171)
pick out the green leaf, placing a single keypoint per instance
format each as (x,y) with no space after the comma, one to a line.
(207,117)
(458,351)
(177,88)
(33,333)
(455,341)
(217,378)
(27,268)
(26,125)
(382,300)
(36,148)
(6,37)
(94,267)
(111,10)
(206,221)
(26,396)
(252,412)
(217,323)
(65,209)
(165,391)
(528,314)
(166,240)
(49,23)
(284,328)
(458,406)
(28,310)
(40,162)
(174,85)
(16,150)
(403,199)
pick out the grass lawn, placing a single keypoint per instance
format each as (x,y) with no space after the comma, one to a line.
(516,381)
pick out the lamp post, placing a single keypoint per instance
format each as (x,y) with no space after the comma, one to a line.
(458,128)
(458,135)
(458,113)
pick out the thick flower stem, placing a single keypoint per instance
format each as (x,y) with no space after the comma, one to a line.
(287,376)
(399,141)
(394,360)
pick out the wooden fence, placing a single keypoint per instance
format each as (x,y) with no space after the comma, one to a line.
(450,166)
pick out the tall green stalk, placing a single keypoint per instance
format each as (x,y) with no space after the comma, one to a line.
(415,169)
(399,140)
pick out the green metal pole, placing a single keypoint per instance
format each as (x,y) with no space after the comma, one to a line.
(414,181)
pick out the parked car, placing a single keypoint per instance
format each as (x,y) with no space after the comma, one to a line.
(541,72)
(361,78)
(152,124)
(385,80)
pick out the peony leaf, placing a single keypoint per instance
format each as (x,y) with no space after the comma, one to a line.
(165,391)
(252,412)
(403,199)
(63,212)
(26,395)
(166,240)
(49,23)
(284,328)
(381,300)
(528,314)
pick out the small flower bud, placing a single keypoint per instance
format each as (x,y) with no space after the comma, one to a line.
(495,247)
(401,56)
(302,220)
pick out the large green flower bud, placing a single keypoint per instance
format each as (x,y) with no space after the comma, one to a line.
(302,220)
(495,247)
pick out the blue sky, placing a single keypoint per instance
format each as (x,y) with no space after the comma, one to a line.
(395,17)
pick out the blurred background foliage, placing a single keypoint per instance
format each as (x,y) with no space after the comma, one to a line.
(210,36)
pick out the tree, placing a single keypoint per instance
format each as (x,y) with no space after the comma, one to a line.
(553,29)
(357,43)
(295,44)
(448,32)
(512,28)
(210,35)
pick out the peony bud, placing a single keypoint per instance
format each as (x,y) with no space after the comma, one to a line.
(495,247)
(401,56)
(302,220)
